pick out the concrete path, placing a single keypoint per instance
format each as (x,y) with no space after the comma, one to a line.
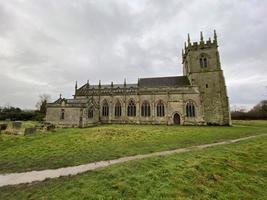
(28,177)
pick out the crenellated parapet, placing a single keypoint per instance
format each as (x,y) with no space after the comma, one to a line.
(103,90)
(202,44)
(160,85)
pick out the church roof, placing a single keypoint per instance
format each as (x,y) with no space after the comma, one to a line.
(171,81)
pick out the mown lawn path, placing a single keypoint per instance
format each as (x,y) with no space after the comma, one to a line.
(28,177)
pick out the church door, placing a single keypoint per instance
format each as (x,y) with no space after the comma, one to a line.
(176,119)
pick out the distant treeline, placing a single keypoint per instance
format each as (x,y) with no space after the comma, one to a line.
(15,113)
(12,113)
(239,115)
(258,112)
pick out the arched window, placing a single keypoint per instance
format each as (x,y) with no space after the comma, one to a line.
(203,61)
(190,110)
(160,109)
(131,109)
(90,113)
(118,109)
(105,108)
(145,109)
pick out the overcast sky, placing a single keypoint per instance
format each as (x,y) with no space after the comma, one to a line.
(45,45)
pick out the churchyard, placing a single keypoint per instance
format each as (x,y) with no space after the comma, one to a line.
(235,171)
(25,127)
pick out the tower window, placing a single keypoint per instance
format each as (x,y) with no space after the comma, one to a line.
(190,110)
(145,109)
(131,109)
(203,61)
(207,85)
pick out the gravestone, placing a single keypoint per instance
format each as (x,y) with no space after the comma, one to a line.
(3,126)
(50,127)
(30,131)
(17,124)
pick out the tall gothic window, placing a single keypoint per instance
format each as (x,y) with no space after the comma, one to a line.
(145,109)
(131,109)
(105,108)
(90,113)
(118,109)
(203,61)
(160,109)
(62,114)
(190,110)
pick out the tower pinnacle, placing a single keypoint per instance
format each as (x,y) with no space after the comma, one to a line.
(124,82)
(215,36)
(188,38)
(201,37)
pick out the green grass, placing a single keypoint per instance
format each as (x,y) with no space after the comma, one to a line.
(68,147)
(235,171)
(27,124)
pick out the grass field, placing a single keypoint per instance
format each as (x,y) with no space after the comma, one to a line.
(236,171)
(68,147)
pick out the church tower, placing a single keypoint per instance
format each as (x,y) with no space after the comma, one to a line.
(201,64)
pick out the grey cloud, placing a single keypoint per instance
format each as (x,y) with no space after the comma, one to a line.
(47,44)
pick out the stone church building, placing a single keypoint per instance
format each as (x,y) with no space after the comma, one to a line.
(199,97)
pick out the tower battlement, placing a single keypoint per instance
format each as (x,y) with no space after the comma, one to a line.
(201,45)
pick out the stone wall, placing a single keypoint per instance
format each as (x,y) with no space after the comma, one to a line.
(71,119)
(174,102)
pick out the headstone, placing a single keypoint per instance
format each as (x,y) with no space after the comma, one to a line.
(3,126)
(40,126)
(30,131)
(17,124)
(46,123)
(50,127)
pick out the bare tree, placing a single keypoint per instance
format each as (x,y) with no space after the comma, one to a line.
(41,104)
